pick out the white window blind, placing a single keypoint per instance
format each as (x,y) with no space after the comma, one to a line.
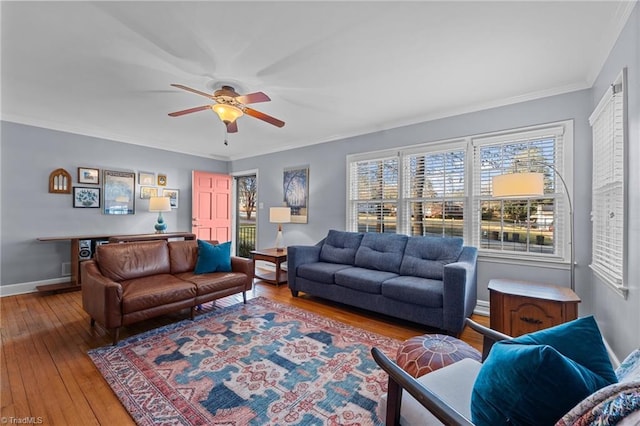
(434,192)
(534,225)
(373,195)
(608,183)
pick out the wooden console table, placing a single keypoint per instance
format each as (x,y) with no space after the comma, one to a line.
(519,307)
(74,283)
(274,256)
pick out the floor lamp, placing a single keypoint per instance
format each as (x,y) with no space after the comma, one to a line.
(530,184)
(279,215)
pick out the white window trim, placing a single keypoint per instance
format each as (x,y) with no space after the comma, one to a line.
(566,127)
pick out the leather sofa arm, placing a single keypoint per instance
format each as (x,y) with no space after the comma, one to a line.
(245,266)
(101,297)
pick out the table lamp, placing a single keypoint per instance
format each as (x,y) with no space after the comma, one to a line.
(279,215)
(160,204)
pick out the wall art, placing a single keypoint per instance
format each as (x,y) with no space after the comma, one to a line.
(173,195)
(146,178)
(296,192)
(60,182)
(86,197)
(147,192)
(162,180)
(88,175)
(119,192)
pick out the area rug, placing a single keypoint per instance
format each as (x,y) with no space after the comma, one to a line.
(262,363)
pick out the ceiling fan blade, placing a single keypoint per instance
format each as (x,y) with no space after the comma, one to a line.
(253,98)
(264,117)
(232,127)
(189,111)
(189,89)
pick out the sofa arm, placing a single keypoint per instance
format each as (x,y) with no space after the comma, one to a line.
(299,255)
(460,290)
(101,297)
(245,266)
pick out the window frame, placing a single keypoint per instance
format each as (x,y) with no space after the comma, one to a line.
(560,259)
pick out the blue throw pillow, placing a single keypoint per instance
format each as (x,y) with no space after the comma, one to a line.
(213,258)
(536,378)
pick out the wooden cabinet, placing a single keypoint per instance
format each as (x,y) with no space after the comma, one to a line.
(519,307)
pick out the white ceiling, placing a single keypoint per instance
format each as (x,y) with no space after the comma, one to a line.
(332,69)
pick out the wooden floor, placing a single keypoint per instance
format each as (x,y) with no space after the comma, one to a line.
(46,373)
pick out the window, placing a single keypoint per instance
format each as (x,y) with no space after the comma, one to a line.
(444,189)
(608,186)
(531,225)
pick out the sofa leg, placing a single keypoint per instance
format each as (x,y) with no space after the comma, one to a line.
(294,293)
(93,322)
(244,297)
(116,335)
(193,313)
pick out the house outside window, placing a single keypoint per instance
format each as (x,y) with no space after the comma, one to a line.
(444,189)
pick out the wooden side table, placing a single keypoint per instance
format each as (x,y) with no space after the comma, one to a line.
(274,256)
(520,307)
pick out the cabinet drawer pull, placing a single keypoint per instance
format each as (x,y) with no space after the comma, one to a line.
(531,320)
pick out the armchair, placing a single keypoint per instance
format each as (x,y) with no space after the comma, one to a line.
(444,396)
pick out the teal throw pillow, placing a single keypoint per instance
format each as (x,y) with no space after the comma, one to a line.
(213,258)
(537,378)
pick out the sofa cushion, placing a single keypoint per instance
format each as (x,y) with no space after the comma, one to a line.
(536,378)
(213,257)
(125,261)
(214,282)
(382,252)
(416,290)
(320,271)
(365,280)
(426,256)
(340,247)
(157,290)
(183,256)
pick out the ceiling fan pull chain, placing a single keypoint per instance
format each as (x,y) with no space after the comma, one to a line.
(226,134)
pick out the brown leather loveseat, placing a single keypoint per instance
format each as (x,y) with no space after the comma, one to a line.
(130,282)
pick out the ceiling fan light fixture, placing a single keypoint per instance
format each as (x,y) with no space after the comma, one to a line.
(227,113)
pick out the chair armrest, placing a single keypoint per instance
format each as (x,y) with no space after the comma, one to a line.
(245,266)
(101,297)
(399,380)
(489,335)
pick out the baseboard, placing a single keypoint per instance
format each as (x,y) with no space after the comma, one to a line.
(30,287)
(482,308)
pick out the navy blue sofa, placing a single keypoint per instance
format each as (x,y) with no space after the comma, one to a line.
(427,280)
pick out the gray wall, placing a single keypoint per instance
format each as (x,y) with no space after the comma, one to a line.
(327,177)
(620,319)
(28,210)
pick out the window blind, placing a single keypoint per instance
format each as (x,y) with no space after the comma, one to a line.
(608,209)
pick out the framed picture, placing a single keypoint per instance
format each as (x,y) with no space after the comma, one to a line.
(87,175)
(146,178)
(119,192)
(162,180)
(295,187)
(147,192)
(86,197)
(173,195)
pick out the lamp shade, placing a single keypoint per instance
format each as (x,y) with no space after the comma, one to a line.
(227,113)
(159,204)
(518,185)
(280,215)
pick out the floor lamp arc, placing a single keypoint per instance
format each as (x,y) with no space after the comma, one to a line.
(531,184)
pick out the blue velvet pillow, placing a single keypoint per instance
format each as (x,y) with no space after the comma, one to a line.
(537,378)
(213,258)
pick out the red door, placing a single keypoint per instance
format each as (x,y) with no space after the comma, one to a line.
(211,206)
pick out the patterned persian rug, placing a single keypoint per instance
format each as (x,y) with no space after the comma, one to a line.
(262,363)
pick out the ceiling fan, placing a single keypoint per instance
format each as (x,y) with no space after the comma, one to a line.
(230,105)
